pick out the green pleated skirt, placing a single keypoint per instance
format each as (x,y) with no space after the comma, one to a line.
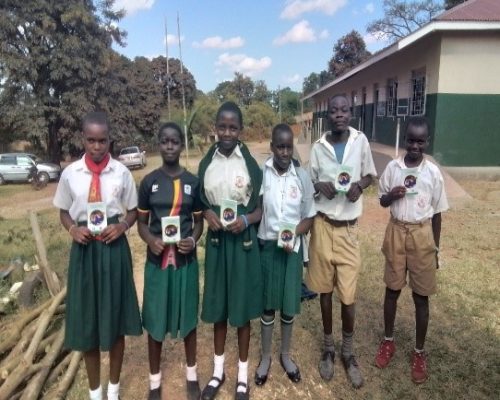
(101,303)
(233,278)
(282,276)
(171,298)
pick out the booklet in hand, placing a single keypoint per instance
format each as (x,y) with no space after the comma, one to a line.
(343,179)
(228,211)
(410,176)
(171,229)
(96,217)
(286,234)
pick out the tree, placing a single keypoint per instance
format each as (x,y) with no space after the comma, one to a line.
(401,18)
(240,90)
(311,83)
(259,119)
(54,55)
(448,4)
(261,93)
(287,103)
(174,80)
(349,51)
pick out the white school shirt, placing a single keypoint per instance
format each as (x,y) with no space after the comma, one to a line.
(430,199)
(323,165)
(285,198)
(228,178)
(118,189)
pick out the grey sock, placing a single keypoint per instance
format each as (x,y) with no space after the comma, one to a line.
(286,338)
(347,343)
(328,343)
(266,337)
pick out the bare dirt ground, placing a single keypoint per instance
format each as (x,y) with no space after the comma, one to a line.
(464,333)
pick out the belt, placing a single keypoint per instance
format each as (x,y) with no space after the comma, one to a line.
(404,223)
(336,223)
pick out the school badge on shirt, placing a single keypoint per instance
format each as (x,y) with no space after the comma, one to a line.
(239,182)
(187,189)
(293,192)
(154,188)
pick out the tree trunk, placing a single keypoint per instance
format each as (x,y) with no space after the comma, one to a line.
(54,144)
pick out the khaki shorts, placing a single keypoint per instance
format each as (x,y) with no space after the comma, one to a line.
(410,248)
(334,259)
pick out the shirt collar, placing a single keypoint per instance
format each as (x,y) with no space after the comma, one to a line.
(81,166)
(291,168)
(401,162)
(353,134)
(236,153)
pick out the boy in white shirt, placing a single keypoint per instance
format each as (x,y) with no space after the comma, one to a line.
(334,252)
(287,197)
(413,188)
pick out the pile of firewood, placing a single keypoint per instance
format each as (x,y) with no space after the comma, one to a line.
(33,362)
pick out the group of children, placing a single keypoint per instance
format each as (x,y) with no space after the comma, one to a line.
(253,264)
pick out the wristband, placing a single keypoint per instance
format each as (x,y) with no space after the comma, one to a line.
(192,238)
(71,227)
(126,224)
(245,220)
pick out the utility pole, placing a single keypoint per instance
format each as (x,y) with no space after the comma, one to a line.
(168,72)
(183,93)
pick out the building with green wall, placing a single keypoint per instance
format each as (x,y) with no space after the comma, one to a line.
(448,70)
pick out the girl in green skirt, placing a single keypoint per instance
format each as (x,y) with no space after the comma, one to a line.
(288,211)
(169,201)
(101,305)
(231,178)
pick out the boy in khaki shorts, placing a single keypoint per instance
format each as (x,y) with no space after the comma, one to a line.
(413,188)
(340,159)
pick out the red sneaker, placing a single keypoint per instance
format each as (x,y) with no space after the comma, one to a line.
(385,352)
(418,367)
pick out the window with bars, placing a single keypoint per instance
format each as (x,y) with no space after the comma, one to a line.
(392,97)
(417,106)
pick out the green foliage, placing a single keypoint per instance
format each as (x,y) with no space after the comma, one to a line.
(349,51)
(259,119)
(242,90)
(403,17)
(57,64)
(286,103)
(174,80)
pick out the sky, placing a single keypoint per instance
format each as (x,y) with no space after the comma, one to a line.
(278,41)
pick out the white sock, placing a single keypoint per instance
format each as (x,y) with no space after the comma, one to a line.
(218,369)
(154,381)
(96,394)
(113,390)
(390,339)
(191,374)
(419,351)
(242,374)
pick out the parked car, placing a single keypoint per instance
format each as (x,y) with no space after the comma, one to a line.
(132,157)
(15,167)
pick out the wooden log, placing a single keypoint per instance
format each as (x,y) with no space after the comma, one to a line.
(58,370)
(22,373)
(44,347)
(14,333)
(67,379)
(32,390)
(50,276)
(43,322)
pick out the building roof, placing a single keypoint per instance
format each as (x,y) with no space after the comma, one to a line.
(473,10)
(473,15)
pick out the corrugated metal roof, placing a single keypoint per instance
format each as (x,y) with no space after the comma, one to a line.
(473,10)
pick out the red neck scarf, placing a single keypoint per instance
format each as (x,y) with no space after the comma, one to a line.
(95,183)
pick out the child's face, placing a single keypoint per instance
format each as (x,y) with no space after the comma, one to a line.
(339,114)
(96,141)
(417,140)
(171,145)
(228,130)
(282,148)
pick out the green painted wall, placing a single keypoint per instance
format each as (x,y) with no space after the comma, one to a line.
(467,129)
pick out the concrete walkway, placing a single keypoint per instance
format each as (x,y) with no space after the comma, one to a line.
(382,155)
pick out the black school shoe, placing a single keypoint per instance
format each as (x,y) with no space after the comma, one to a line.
(193,390)
(260,380)
(155,394)
(293,376)
(242,395)
(209,392)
